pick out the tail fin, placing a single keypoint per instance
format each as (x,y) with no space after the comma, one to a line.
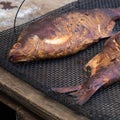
(81,93)
(114,13)
(117,13)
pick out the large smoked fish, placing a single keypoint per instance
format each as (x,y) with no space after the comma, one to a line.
(105,70)
(65,34)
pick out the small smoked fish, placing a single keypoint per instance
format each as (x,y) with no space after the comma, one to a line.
(63,35)
(105,70)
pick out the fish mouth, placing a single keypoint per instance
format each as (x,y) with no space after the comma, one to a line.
(16,58)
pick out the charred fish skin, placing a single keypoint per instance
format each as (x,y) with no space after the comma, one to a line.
(64,34)
(103,72)
(114,13)
(110,53)
(82,93)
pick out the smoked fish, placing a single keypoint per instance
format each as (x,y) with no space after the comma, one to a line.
(64,34)
(105,70)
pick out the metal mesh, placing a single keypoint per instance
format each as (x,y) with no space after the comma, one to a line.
(67,71)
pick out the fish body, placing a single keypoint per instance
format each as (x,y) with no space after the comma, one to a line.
(62,35)
(105,70)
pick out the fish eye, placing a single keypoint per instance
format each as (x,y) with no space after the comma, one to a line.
(17,45)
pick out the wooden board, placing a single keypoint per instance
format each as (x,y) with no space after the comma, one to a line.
(21,112)
(34,100)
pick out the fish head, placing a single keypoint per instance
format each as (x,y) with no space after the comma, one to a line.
(24,49)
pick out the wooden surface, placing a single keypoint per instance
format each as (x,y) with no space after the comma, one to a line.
(21,112)
(34,100)
(19,91)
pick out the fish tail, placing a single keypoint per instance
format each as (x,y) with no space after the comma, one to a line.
(114,13)
(66,89)
(81,93)
(117,13)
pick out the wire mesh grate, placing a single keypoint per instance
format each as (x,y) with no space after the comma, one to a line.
(67,71)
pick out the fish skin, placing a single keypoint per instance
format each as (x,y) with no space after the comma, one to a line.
(63,35)
(105,70)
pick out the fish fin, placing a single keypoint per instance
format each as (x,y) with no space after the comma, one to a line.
(80,93)
(93,64)
(115,13)
(66,89)
(96,63)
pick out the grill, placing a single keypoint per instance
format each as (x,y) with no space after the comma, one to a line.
(67,71)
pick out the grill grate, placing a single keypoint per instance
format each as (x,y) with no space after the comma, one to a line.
(67,71)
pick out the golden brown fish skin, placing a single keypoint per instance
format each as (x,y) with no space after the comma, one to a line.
(105,70)
(63,35)
(110,52)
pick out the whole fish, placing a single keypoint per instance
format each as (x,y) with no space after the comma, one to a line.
(105,70)
(64,34)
